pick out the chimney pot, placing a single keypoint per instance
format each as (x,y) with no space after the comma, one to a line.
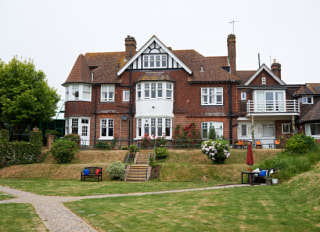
(130,44)
(276,68)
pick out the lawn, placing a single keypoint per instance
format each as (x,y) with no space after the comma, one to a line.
(292,206)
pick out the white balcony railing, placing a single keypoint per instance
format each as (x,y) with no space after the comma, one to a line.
(273,106)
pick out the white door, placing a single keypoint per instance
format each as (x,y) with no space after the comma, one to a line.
(84,126)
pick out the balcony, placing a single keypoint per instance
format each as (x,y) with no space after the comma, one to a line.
(273,107)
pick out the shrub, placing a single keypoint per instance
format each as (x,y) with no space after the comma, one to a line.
(217,150)
(36,140)
(189,137)
(161,152)
(300,144)
(161,141)
(212,134)
(64,150)
(114,142)
(116,170)
(146,141)
(102,145)
(73,137)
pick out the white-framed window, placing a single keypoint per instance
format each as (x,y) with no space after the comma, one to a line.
(243,96)
(244,130)
(269,101)
(212,96)
(206,126)
(154,90)
(106,128)
(307,100)
(313,129)
(138,91)
(169,91)
(268,130)
(155,61)
(74,126)
(126,95)
(263,81)
(107,93)
(286,128)
(78,92)
(154,127)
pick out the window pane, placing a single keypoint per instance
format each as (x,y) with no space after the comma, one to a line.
(315,129)
(243,130)
(164,61)
(151,61)
(153,90)
(145,63)
(160,90)
(157,61)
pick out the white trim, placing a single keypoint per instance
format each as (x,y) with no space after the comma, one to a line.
(164,47)
(264,67)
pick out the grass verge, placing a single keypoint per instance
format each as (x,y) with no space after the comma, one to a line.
(19,217)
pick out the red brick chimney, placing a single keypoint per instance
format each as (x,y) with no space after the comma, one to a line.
(276,68)
(130,43)
(232,53)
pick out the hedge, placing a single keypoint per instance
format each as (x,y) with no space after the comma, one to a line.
(14,153)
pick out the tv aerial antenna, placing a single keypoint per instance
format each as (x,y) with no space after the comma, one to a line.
(233,22)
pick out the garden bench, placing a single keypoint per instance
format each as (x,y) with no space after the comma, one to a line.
(91,172)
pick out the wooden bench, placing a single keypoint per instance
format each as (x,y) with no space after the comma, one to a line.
(91,172)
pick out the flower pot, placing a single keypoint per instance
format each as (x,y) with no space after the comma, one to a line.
(275,181)
(219,160)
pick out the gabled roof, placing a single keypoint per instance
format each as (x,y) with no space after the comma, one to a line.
(80,72)
(264,67)
(309,89)
(313,114)
(244,75)
(145,46)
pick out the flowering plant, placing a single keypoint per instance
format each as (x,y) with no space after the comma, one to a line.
(217,150)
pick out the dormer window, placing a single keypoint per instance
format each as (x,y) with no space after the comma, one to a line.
(263,81)
(155,61)
(307,100)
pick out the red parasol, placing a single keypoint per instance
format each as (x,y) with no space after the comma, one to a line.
(249,155)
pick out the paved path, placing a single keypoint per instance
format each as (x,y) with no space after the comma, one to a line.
(57,218)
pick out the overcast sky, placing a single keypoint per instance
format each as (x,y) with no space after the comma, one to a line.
(54,33)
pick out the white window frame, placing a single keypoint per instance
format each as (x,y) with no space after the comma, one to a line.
(305,100)
(126,96)
(154,90)
(284,126)
(209,96)
(263,80)
(154,127)
(106,123)
(243,96)
(261,104)
(155,61)
(270,130)
(78,92)
(308,128)
(206,126)
(105,91)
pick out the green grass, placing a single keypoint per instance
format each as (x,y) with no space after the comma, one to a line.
(292,206)
(19,217)
(5,196)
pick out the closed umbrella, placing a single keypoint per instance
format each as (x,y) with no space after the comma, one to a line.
(250,155)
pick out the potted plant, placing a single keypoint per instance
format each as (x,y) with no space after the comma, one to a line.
(132,149)
(275,177)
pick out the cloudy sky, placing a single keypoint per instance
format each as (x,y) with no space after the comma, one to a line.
(54,33)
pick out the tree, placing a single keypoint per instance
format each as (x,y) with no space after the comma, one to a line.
(25,97)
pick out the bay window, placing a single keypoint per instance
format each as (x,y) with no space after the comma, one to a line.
(154,90)
(155,127)
(78,92)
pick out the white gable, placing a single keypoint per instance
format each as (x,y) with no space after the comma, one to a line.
(154,47)
(264,67)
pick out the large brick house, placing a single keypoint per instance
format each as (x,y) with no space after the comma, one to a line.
(152,90)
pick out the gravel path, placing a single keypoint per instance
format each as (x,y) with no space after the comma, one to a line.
(57,218)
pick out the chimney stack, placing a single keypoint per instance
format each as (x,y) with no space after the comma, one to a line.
(232,53)
(130,43)
(276,68)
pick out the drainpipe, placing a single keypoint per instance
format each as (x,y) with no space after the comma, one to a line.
(130,106)
(95,115)
(230,112)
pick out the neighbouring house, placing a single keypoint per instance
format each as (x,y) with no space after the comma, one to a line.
(309,99)
(132,93)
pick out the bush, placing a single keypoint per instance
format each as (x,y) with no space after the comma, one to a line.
(4,136)
(217,150)
(116,170)
(73,137)
(161,152)
(36,140)
(64,150)
(189,137)
(102,145)
(300,144)
(133,148)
